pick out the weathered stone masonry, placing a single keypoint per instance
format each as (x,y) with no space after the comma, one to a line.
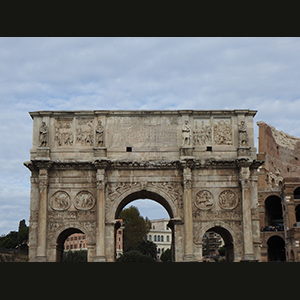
(199,164)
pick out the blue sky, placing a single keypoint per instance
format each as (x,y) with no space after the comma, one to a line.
(135,73)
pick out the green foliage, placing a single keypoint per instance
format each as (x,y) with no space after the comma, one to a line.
(16,238)
(222,251)
(166,256)
(136,249)
(206,248)
(147,248)
(23,232)
(10,240)
(135,256)
(136,227)
(75,256)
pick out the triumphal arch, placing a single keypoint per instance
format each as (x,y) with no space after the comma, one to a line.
(200,165)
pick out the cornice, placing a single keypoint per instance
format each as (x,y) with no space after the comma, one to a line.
(142,165)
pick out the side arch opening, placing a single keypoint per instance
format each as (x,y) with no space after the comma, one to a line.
(63,236)
(214,247)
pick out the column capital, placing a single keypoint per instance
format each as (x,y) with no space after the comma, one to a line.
(101,163)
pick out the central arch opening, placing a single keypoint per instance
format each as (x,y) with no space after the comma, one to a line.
(156,210)
(144,195)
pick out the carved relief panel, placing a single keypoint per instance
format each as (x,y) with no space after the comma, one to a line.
(63,133)
(213,131)
(204,200)
(228,199)
(84,200)
(85,132)
(222,131)
(216,205)
(202,132)
(60,201)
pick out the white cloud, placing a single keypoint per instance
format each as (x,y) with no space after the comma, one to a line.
(139,73)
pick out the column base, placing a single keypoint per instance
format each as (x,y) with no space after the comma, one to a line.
(100,259)
(189,258)
(249,258)
(41,259)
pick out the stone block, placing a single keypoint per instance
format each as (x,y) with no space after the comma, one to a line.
(100,152)
(43,153)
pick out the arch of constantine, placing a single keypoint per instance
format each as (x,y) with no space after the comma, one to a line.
(200,165)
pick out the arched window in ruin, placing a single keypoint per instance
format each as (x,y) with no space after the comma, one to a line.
(273,210)
(297,212)
(297,193)
(276,248)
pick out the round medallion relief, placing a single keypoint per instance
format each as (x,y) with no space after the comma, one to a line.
(84,200)
(204,200)
(60,201)
(228,199)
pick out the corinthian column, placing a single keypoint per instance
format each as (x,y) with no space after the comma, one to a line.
(42,216)
(188,215)
(246,208)
(100,231)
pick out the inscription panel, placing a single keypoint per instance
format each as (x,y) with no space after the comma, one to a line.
(143,132)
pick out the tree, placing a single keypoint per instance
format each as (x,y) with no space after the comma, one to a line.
(166,256)
(147,248)
(207,247)
(135,256)
(16,238)
(75,256)
(23,232)
(135,227)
